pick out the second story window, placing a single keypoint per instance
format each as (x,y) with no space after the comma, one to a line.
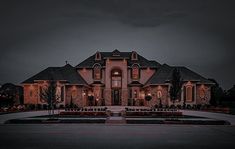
(116,76)
(135,72)
(97,72)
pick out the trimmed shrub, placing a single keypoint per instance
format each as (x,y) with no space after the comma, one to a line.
(188,106)
(61,106)
(39,107)
(44,106)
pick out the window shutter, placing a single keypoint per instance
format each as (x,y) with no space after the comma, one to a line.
(185,93)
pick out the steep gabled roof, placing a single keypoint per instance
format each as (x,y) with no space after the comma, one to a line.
(67,73)
(164,75)
(188,75)
(143,62)
(160,77)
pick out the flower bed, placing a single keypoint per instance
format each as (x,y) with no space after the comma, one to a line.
(84,113)
(153,113)
(218,109)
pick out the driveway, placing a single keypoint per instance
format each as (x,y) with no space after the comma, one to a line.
(218,116)
(5,117)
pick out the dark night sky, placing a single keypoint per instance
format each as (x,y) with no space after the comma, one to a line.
(42,33)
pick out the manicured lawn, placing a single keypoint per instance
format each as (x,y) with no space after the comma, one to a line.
(69,116)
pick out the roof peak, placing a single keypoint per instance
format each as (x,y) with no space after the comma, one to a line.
(116,50)
(67,65)
(116,53)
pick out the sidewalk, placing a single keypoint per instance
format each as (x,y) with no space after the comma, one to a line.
(6,117)
(218,116)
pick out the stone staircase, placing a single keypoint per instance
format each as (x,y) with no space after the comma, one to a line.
(116,117)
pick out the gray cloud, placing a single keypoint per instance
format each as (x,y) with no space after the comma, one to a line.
(38,34)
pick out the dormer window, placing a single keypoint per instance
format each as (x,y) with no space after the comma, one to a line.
(134,56)
(97,72)
(97,56)
(135,72)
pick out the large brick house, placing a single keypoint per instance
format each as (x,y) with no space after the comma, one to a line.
(117,78)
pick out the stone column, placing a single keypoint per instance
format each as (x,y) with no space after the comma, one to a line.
(107,97)
(124,97)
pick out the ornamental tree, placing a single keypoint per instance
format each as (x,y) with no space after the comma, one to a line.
(48,95)
(176,84)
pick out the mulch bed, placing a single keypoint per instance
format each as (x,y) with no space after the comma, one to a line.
(84,113)
(153,113)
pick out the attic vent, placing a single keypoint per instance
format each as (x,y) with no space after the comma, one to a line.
(134,56)
(116,53)
(98,56)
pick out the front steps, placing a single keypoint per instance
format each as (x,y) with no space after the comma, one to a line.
(116,115)
(115,120)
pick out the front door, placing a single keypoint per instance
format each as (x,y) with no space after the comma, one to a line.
(116,97)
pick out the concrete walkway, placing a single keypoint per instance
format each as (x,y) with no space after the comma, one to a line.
(5,117)
(218,116)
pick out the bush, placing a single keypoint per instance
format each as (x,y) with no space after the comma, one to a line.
(179,106)
(194,107)
(61,106)
(44,107)
(199,106)
(30,107)
(172,106)
(155,106)
(188,106)
(39,107)
(67,106)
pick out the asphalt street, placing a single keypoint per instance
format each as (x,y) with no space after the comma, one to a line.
(104,136)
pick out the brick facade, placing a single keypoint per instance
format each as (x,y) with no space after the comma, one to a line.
(116,83)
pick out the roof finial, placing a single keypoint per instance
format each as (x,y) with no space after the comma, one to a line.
(66,62)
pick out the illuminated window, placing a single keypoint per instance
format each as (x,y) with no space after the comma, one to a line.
(135,72)
(189,93)
(116,78)
(97,72)
(202,93)
(159,94)
(116,82)
(74,95)
(135,94)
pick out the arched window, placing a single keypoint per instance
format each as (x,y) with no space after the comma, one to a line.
(116,76)
(134,56)
(135,72)
(189,93)
(202,93)
(97,72)
(159,94)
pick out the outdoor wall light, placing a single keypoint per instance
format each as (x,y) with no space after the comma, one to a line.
(84,93)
